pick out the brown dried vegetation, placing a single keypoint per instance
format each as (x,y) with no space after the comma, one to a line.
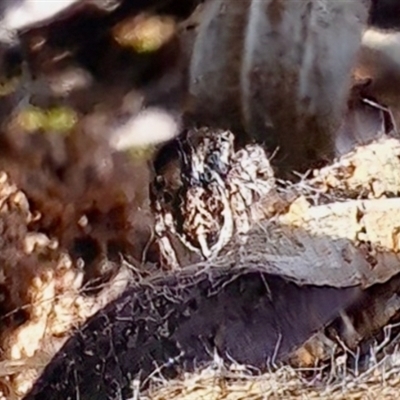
(77,226)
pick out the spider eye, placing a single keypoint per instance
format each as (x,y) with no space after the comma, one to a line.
(214,160)
(217,164)
(207,176)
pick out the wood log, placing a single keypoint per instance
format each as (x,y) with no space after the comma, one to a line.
(178,323)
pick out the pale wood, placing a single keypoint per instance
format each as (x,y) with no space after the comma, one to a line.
(342,243)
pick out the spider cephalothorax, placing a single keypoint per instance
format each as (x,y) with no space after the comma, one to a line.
(216,191)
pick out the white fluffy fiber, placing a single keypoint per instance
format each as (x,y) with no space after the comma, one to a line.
(30,12)
(151,126)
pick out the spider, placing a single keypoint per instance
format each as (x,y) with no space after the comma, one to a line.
(213,200)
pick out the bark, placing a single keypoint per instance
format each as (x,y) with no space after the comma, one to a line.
(179,322)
